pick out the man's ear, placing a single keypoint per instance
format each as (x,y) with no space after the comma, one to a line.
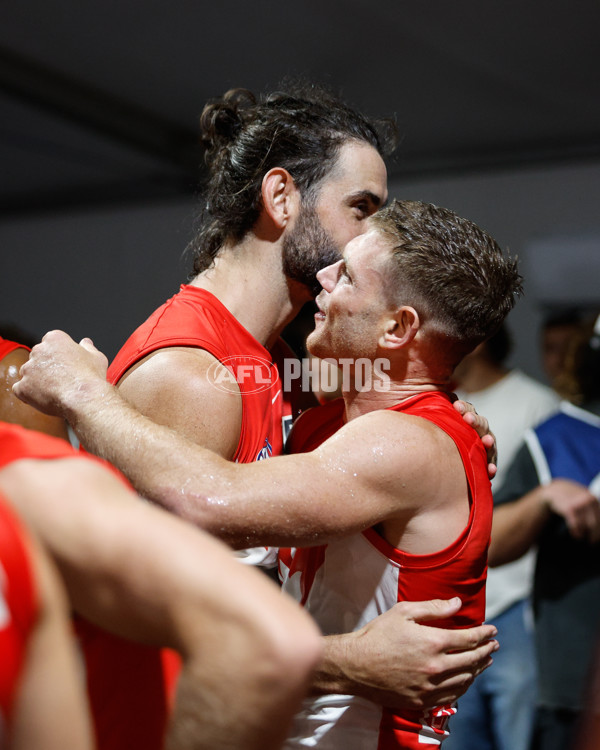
(400,329)
(280,196)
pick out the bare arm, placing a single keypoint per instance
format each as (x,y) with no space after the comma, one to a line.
(172,388)
(517,525)
(145,575)
(79,389)
(294,500)
(51,687)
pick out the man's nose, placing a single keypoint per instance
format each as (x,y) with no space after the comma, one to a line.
(328,276)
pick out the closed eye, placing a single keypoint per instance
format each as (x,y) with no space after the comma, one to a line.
(343,274)
(364,204)
(364,209)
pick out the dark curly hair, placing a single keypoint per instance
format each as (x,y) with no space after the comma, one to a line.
(301,130)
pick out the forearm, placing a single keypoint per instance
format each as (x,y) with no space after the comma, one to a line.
(109,427)
(516,526)
(162,465)
(343,671)
(269,503)
(332,673)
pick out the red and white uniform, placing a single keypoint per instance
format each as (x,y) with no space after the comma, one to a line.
(18,608)
(196,318)
(124,679)
(348,582)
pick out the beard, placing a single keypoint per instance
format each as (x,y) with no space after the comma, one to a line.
(307,249)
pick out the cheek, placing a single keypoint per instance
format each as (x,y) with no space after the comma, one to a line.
(341,313)
(342,226)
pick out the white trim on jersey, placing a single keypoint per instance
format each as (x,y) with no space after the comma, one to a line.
(594,487)
(538,456)
(577,413)
(5,617)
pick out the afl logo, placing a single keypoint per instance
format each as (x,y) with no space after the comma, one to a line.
(247,374)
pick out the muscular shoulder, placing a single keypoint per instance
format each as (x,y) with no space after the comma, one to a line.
(177,387)
(398,450)
(180,366)
(392,425)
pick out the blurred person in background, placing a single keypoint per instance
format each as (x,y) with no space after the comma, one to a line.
(550,499)
(559,328)
(498,712)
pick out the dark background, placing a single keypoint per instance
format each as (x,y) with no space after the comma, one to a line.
(498,105)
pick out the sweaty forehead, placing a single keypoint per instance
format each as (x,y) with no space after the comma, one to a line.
(372,248)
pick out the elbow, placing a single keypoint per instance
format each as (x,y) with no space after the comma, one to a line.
(250,661)
(289,648)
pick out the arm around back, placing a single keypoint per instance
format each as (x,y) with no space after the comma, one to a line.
(126,438)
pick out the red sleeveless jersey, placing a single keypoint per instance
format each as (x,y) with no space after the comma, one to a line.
(196,318)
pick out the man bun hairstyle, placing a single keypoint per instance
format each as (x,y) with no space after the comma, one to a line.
(453,273)
(221,121)
(300,129)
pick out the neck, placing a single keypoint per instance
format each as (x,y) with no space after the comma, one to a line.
(248,279)
(412,380)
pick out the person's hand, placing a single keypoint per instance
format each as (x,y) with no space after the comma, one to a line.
(482,428)
(578,507)
(400,663)
(59,371)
